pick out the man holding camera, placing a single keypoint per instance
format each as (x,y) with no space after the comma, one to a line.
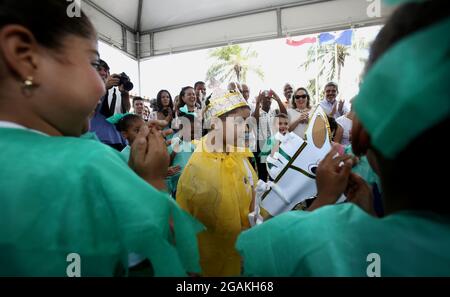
(265,116)
(105,131)
(117,97)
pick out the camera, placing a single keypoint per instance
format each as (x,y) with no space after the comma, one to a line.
(124,80)
(267,93)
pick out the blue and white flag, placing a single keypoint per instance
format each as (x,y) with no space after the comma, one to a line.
(345,38)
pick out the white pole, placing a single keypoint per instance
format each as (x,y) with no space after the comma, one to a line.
(317,71)
(336,70)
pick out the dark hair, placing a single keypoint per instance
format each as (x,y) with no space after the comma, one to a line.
(124,123)
(46,19)
(225,115)
(198,83)
(159,106)
(104,64)
(307,97)
(332,84)
(181,103)
(137,98)
(188,116)
(282,115)
(333,126)
(420,183)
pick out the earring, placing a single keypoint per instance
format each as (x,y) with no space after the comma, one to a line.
(28,86)
(28,83)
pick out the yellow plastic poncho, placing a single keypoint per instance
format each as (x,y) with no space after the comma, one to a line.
(217,189)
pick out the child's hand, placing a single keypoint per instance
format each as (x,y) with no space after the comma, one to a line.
(359,192)
(158,124)
(149,157)
(332,177)
(173,170)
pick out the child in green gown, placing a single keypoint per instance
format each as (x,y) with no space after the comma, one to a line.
(71,206)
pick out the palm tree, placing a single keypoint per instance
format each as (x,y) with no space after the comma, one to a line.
(233,63)
(329,61)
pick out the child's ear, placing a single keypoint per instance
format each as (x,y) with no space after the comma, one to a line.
(124,134)
(20,51)
(319,131)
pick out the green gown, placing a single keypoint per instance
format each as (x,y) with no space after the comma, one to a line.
(63,195)
(181,159)
(336,241)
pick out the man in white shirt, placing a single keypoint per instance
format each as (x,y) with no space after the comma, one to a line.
(138,106)
(330,105)
(117,99)
(265,116)
(288,90)
(245,92)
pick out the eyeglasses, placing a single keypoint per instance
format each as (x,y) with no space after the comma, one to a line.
(301,96)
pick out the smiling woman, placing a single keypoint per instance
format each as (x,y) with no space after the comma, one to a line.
(49,85)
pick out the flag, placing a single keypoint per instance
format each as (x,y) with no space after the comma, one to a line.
(300,42)
(345,38)
(326,38)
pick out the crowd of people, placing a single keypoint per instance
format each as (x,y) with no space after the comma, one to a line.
(168,191)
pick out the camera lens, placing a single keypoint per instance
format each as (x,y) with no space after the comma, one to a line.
(128,86)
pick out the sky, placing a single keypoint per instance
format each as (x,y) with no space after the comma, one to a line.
(279,62)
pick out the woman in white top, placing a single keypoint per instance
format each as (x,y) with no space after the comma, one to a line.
(299,114)
(343,135)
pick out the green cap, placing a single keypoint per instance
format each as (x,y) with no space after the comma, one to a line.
(117,117)
(406,90)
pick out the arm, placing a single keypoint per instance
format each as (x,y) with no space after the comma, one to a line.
(149,157)
(294,124)
(257,107)
(302,119)
(172,156)
(332,180)
(339,134)
(169,117)
(281,106)
(333,110)
(342,109)
(126,105)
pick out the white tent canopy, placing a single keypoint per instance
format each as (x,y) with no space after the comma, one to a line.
(146,28)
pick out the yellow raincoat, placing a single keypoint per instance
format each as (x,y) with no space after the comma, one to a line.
(217,189)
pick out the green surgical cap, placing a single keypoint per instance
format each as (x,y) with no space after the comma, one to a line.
(117,117)
(406,90)
(397,2)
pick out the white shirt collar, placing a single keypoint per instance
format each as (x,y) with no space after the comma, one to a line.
(12,125)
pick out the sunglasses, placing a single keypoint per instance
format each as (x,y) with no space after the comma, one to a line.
(301,96)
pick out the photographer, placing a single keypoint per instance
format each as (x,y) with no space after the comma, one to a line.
(265,114)
(117,97)
(105,131)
